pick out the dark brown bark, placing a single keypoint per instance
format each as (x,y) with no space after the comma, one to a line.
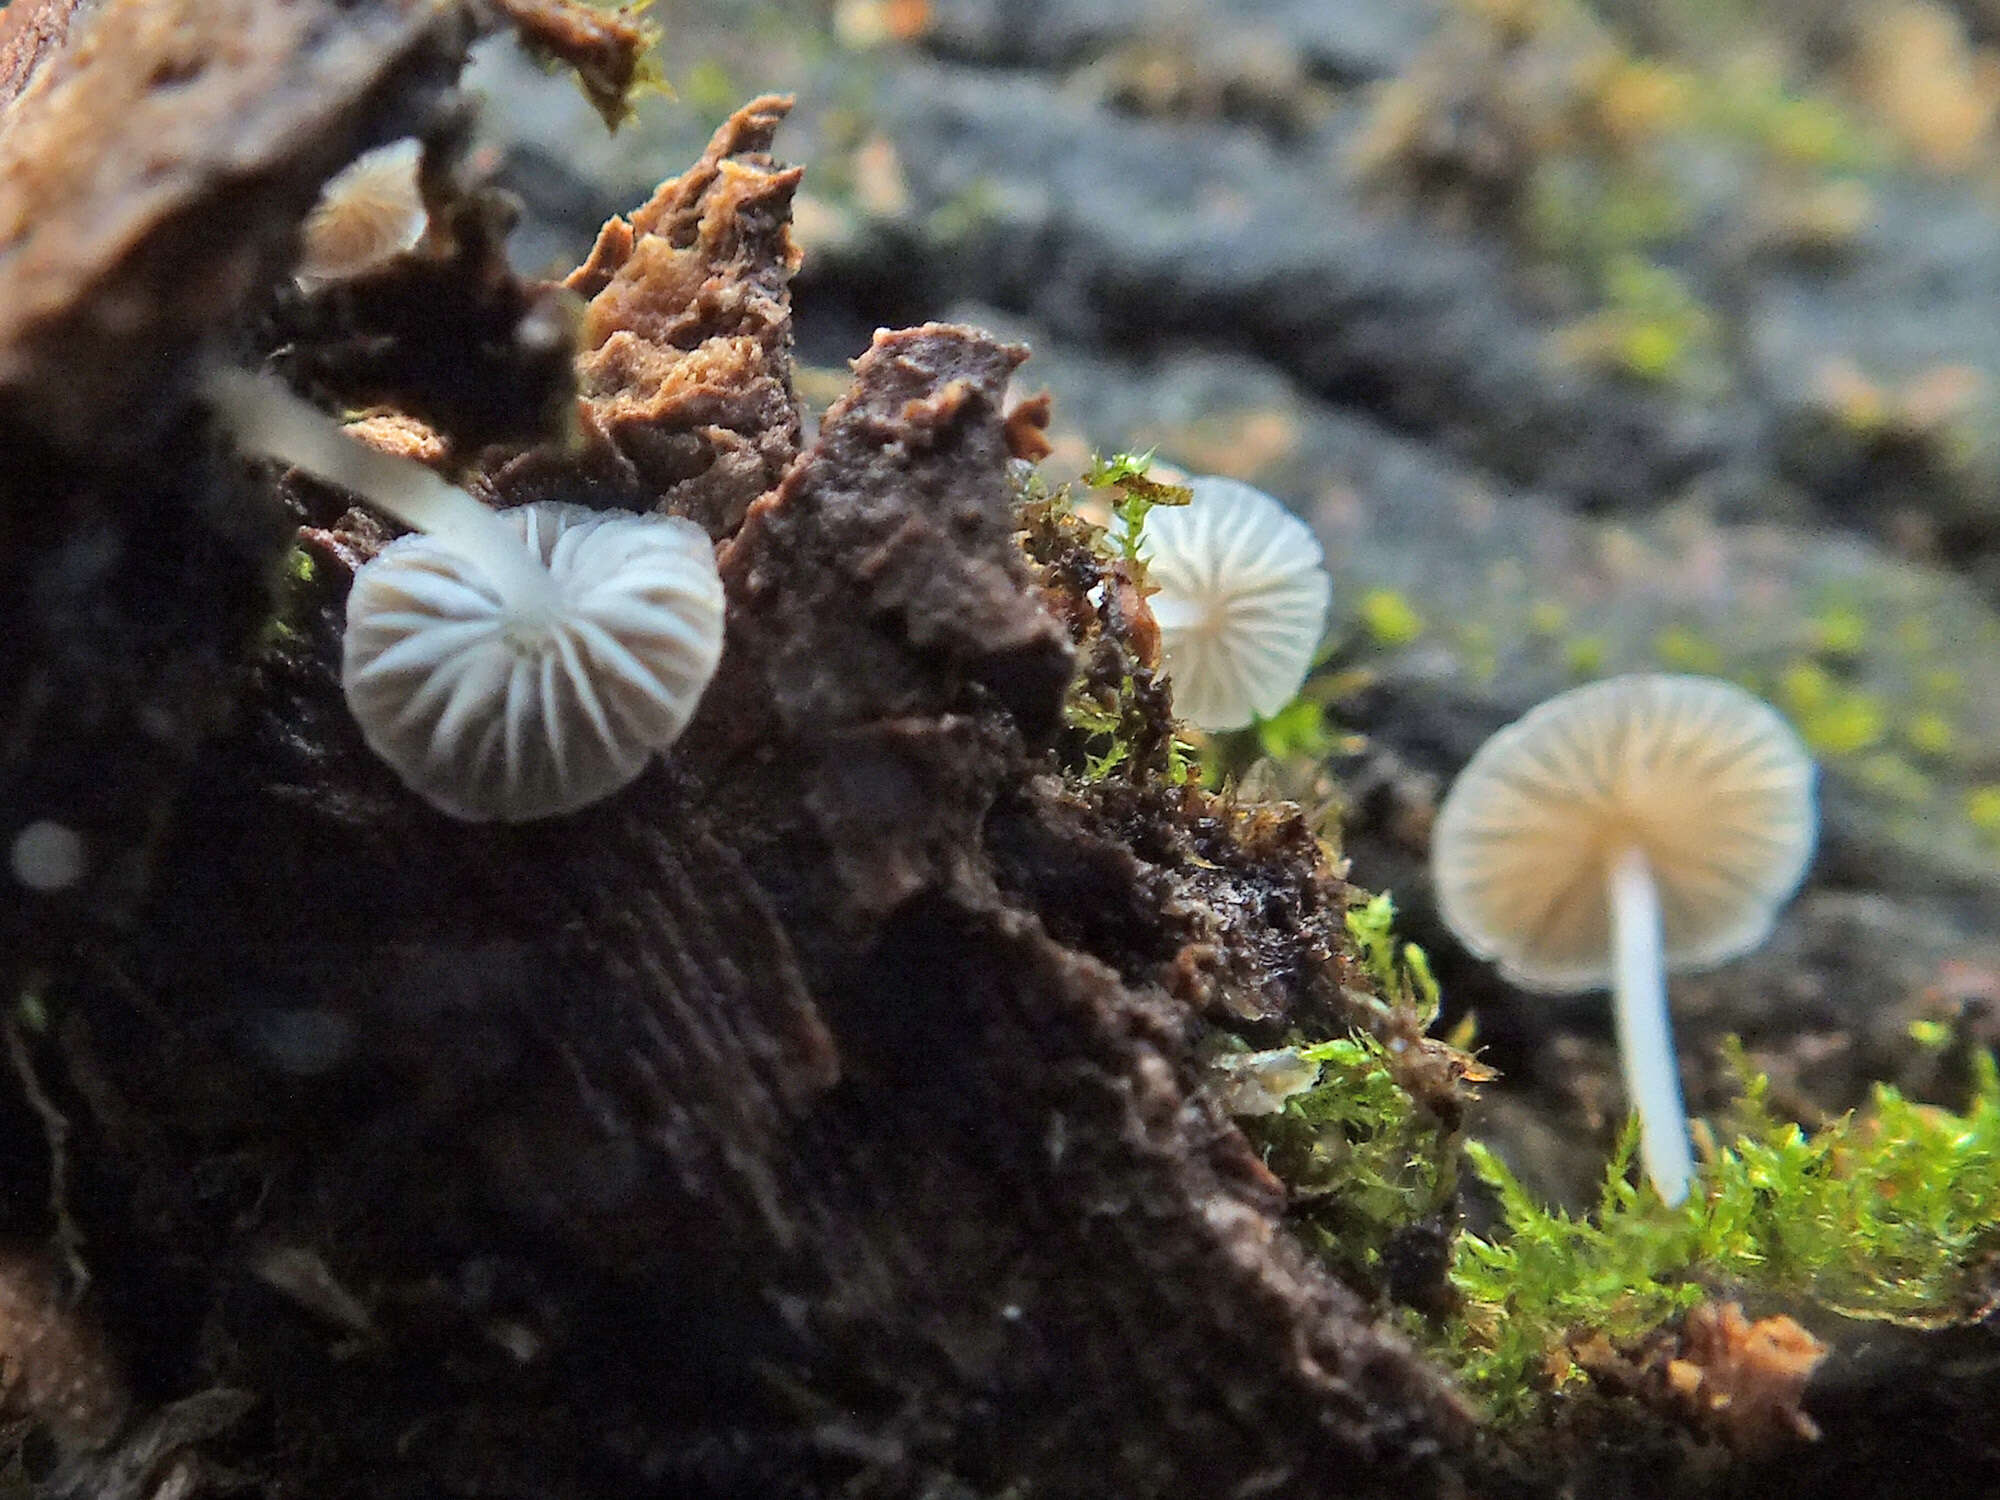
(821,1115)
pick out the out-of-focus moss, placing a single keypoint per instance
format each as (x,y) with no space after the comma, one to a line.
(1390,618)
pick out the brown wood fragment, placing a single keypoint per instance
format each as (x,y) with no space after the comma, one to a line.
(606,48)
(1744,1381)
(1739,1382)
(804,1130)
(687,399)
(153,174)
(1028,428)
(30,30)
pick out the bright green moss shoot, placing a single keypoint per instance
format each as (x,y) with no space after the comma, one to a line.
(1883,1215)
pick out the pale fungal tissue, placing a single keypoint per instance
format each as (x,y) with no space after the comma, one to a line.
(1619,830)
(507,665)
(494,707)
(1241,602)
(368,214)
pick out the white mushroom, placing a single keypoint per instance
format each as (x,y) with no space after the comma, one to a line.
(368,213)
(1241,604)
(1620,829)
(510,665)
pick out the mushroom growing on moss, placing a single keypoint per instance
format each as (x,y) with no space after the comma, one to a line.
(507,665)
(1616,831)
(1241,601)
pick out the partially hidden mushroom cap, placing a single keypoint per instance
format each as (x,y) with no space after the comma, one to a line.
(368,213)
(492,710)
(1707,782)
(1241,601)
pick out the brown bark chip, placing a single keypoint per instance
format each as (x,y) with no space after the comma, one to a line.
(605,48)
(686,384)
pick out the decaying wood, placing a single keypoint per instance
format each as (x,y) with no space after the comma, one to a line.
(821,1115)
(686,371)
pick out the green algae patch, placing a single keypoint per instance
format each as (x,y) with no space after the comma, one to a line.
(1886,1214)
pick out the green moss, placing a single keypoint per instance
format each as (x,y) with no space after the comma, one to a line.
(1840,631)
(1982,807)
(1882,1215)
(1894,777)
(1585,655)
(1754,103)
(1389,618)
(1943,683)
(1683,650)
(1297,731)
(1652,326)
(1930,733)
(1932,1035)
(1135,493)
(1362,1156)
(1401,976)
(1831,717)
(1360,1159)
(295,586)
(1851,722)
(1116,712)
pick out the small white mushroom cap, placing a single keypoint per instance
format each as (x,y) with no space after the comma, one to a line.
(492,708)
(368,213)
(1242,600)
(1705,781)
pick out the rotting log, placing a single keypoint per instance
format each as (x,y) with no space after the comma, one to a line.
(821,1115)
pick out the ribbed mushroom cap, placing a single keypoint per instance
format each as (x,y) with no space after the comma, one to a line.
(368,212)
(1708,782)
(492,711)
(1241,603)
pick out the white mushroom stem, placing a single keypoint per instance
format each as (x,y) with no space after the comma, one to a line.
(266,418)
(1645,1037)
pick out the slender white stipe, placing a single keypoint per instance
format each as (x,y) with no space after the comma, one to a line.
(1645,1035)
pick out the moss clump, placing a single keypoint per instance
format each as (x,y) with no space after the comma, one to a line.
(1650,327)
(1885,1214)
(1117,717)
(1368,1145)
(1390,618)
